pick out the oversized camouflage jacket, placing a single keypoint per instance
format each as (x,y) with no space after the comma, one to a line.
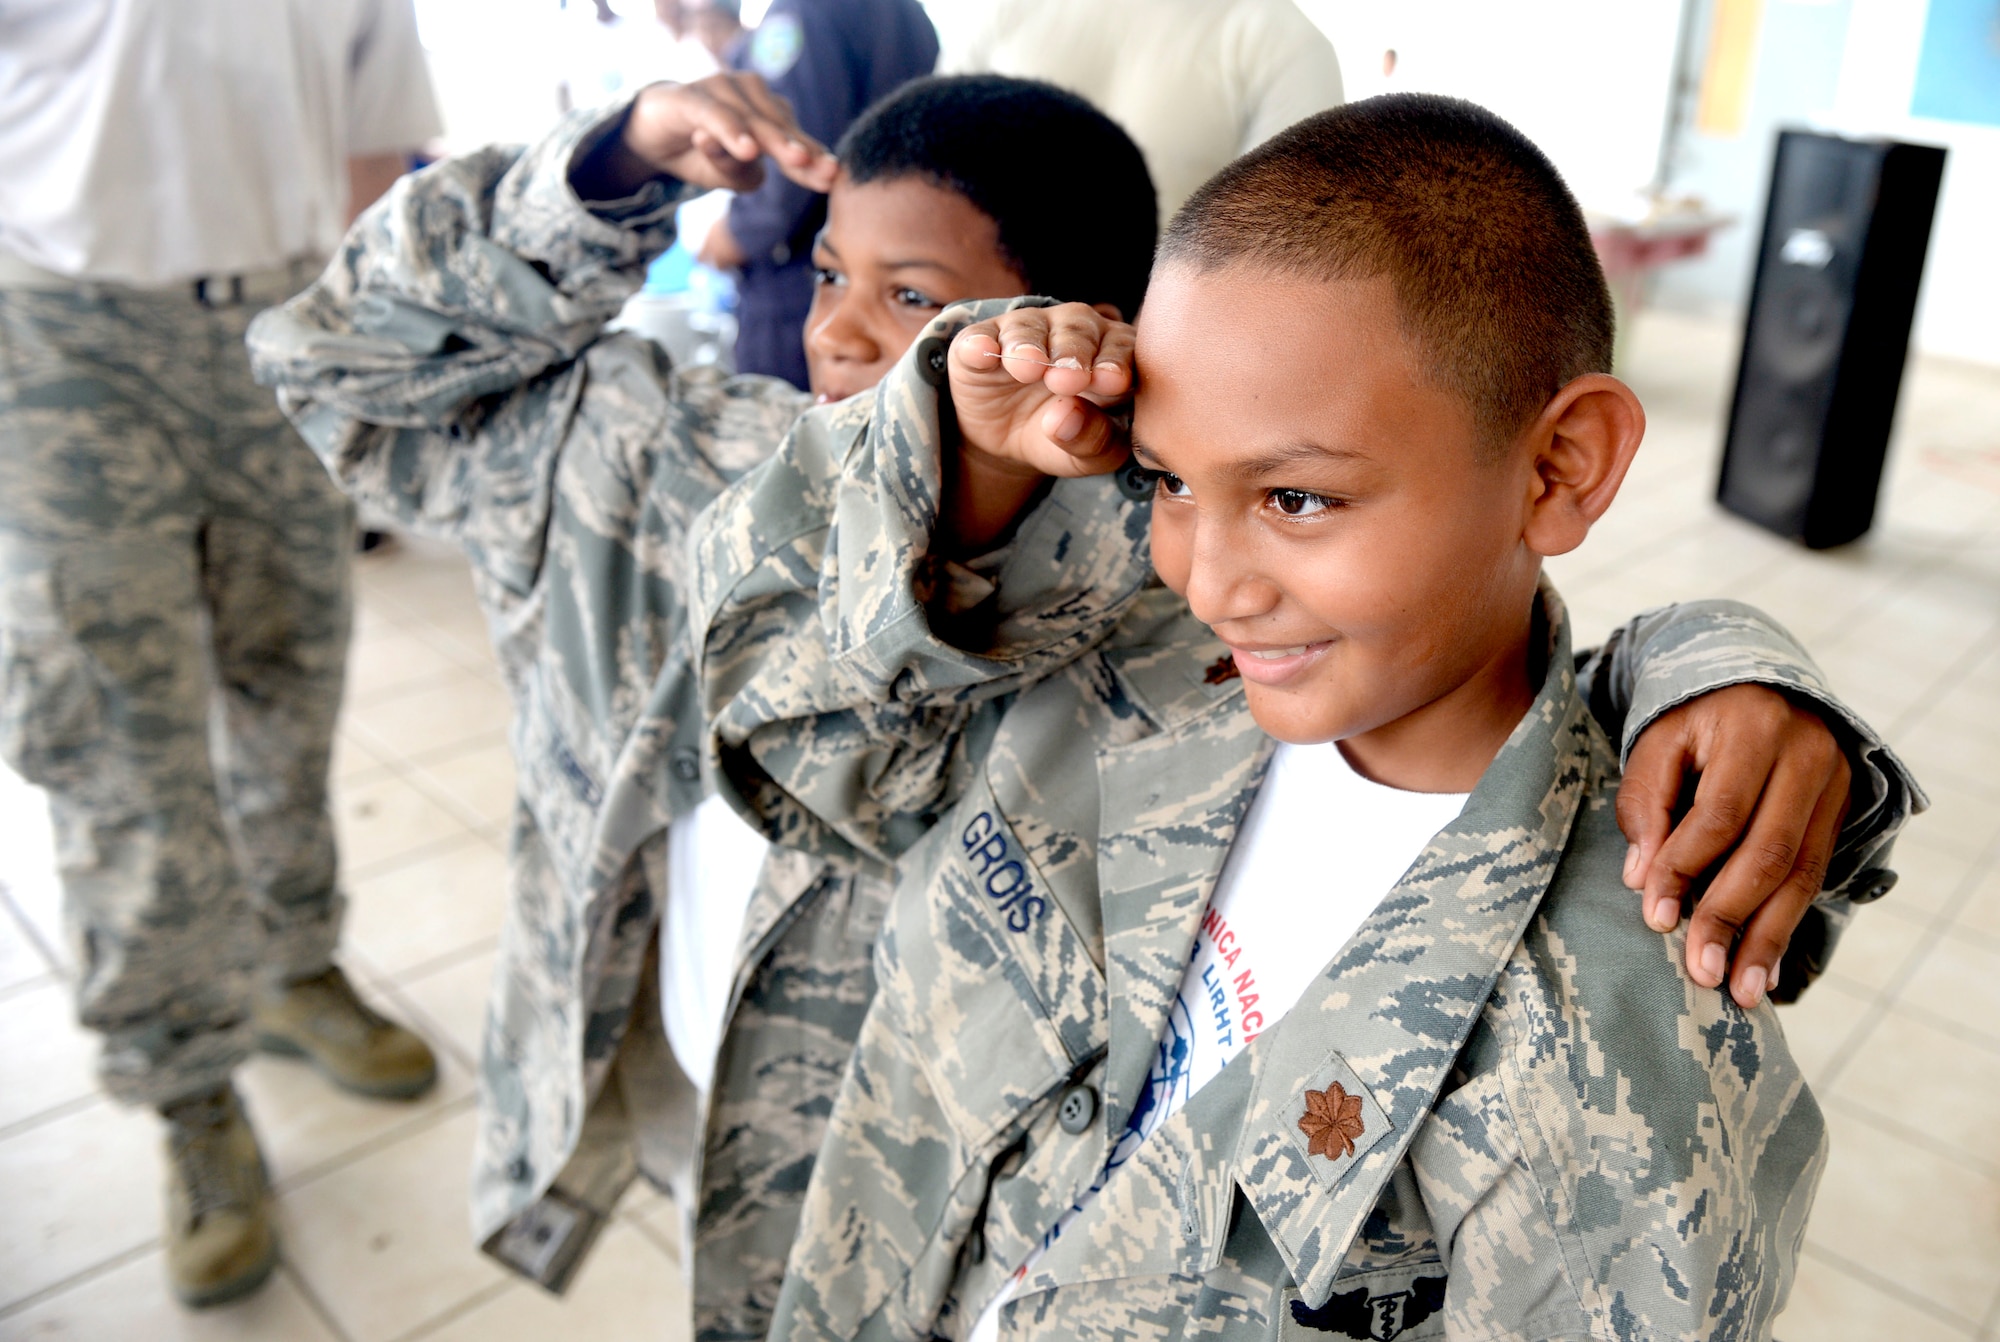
(1553,1132)
(452,369)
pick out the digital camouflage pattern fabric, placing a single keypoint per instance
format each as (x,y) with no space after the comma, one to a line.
(1557,1134)
(168,551)
(452,368)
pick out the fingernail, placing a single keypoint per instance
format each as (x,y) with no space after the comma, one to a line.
(1112,364)
(1714,960)
(1071,426)
(1075,365)
(1631,865)
(1662,915)
(1771,985)
(1753,983)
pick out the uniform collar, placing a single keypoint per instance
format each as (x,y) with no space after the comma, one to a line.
(1375,1035)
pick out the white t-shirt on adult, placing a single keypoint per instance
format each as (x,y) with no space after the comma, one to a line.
(713,857)
(153,141)
(1320,847)
(1193,82)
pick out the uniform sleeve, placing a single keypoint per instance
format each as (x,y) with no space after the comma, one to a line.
(845,669)
(390,104)
(1291,67)
(1665,657)
(453,354)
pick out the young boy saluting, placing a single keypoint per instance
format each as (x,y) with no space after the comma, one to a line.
(1264,966)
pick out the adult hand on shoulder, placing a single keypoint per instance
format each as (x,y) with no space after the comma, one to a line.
(715,132)
(1772,795)
(1032,391)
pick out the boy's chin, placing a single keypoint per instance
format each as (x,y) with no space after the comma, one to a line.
(1289,716)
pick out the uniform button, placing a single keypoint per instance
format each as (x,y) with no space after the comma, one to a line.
(517,1170)
(1871,885)
(686,766)
(1135,482)
(934,360)
(1079,1106)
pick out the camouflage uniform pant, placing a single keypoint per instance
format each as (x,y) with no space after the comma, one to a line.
(174,611)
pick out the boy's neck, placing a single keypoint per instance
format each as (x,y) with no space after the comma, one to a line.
(1448,743)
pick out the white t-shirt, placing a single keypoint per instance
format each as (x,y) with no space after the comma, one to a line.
(713,858)
(1193,82)
(1319,848)
(152,141)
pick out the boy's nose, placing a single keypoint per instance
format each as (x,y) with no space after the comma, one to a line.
(1224,581)
(839,336)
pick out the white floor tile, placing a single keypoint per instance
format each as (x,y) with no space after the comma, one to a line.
(80,1189)
(1928,1223)
(305,1124)
(441,902)
(51,1060)
(479,781)
(20,961)
(454,1000)
(627,1291)
(451,709)
(132,1302)
(1830,1303)
(386,820)
(384,1243)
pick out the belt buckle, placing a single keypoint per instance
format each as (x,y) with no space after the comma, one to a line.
(203,297)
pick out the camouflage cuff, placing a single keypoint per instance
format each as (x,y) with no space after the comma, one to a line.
(594,253)
(1071,565)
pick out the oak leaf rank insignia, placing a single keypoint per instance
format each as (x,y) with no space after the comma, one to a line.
(1331,1122)
(1223,670)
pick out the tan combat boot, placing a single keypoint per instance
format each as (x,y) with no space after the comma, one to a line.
(321,1020)
(220,1244)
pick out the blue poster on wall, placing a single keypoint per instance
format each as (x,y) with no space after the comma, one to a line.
(1958,72)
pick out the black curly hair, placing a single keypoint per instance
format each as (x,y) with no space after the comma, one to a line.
(1068,189)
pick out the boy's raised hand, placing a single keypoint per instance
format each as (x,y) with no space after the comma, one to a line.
(1021,420)
(1773,792)
(715,132)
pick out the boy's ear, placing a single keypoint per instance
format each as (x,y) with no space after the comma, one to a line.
(1108,310)
(1582,444)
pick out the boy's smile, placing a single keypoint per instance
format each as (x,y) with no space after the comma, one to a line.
(894,251)
(1337,519)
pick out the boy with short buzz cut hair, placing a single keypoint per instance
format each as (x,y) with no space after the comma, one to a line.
(1264,967)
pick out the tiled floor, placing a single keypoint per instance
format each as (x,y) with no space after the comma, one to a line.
(1903,1038)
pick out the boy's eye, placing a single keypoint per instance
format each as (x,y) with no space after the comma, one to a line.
(916,298)
(1299,503)
(827,275)
(1171,485)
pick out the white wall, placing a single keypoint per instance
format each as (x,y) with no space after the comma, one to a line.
(1959,313)
(1850,66)
(1585,79)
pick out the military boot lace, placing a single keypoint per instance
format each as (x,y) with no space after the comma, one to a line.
(198,1140)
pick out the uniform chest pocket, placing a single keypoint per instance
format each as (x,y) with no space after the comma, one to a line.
(982,966)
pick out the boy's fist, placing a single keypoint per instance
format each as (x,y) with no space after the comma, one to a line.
(1032,390)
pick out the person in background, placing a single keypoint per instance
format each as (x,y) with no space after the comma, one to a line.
(1195,82)
(174,596)
(829,59)
(716,24)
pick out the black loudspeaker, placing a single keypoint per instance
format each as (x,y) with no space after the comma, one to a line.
(1828,329)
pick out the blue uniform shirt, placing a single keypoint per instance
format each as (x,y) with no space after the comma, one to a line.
(830,59)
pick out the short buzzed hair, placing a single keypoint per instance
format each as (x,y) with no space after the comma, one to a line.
(1495,278)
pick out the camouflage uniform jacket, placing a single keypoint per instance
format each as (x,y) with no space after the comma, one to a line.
(452,369)
(1531,1123)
